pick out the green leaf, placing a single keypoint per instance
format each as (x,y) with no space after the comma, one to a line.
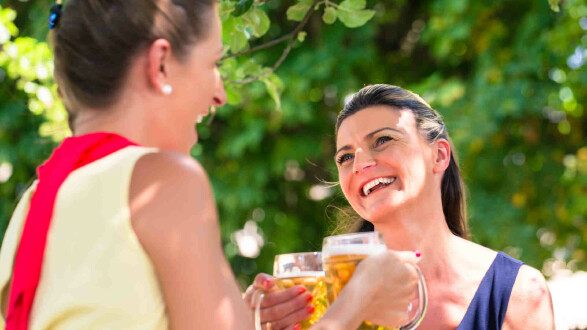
(274,87)
(554,5)
(354,19)
(241,7)
(7,27)
(237,41)
(225,8)
(7,15)
(298,11)
(248,68)
(302,36)
(233,96)
(353,4)
(329,16)
(258,20)
(228,27)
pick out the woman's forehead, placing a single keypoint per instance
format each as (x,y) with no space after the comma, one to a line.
(372,118)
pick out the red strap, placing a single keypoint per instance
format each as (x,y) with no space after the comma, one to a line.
(72,154)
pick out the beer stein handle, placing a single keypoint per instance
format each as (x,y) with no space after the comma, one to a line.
(422,303)
(257,298)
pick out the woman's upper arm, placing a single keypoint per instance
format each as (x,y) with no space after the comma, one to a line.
(530,305)
(174,217)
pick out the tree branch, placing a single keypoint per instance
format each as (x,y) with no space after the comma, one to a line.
(293,35)
(263,46)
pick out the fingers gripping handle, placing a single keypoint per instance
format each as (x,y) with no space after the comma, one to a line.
(422,303)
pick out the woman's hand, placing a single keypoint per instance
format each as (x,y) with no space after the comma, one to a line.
(280,309)
(390,282)
(379,291)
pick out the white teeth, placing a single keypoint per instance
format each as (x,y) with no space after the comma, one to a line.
(367,187)
(199,118)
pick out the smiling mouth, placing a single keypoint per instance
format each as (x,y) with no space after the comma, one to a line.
(376,184)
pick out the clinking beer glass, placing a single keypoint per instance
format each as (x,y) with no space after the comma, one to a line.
(305,269)
(342,253)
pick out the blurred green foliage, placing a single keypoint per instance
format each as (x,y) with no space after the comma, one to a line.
(508,76)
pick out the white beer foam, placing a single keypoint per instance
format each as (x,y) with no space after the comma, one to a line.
(348,249)
(300,274)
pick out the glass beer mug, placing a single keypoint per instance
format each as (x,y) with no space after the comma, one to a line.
(341,255)
(299,269)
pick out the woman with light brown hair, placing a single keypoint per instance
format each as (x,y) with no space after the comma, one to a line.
(120,231)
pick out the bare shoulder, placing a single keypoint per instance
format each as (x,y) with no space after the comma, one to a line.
(166,167)
(476,257)
(530,305)
(170,192)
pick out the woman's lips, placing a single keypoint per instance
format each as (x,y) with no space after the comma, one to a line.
(376,184)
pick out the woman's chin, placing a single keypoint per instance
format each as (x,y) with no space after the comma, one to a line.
(375,218)
(193,138)
(185,146)
(379,214)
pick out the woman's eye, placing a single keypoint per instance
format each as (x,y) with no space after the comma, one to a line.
(382,140)
(340,160)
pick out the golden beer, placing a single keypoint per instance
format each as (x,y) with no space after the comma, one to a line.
(314,282)
(340,263)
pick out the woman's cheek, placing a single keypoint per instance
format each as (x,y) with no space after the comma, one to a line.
(345,185)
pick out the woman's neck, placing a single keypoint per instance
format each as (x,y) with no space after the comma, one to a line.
(126,116)
(138,117)
(425,230)
(108,120)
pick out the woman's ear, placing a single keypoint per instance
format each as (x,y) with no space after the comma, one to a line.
(158,62)
(442,155)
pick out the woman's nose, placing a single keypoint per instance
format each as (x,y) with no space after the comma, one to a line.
(219,98)
(362,161)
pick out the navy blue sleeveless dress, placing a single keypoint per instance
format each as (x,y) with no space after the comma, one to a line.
(488,307)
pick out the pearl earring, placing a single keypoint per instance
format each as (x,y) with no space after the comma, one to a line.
(166,89)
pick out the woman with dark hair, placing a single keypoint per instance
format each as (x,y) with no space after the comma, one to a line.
(398,169)
(120,230)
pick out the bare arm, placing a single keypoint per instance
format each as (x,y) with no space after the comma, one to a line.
(530,305)
(174,216)
(379,291)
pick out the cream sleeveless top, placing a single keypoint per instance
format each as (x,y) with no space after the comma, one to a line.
(95,273)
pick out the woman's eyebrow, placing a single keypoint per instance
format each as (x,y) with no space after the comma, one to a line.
(347,147)
(369,136)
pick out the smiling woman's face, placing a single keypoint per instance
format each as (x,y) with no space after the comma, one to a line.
(197,85)
(384,164)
